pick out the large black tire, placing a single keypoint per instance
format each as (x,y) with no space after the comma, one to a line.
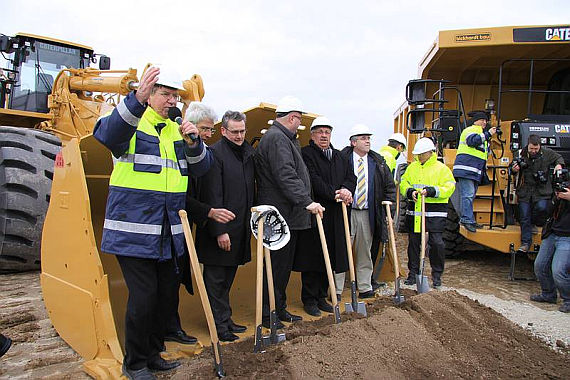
(26,172)
(455,243)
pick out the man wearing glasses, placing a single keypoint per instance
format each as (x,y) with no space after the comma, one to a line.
(283,181)
(374,184)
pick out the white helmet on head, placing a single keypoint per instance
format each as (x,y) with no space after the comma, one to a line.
(398,137)
(360,129)
(321,121)
(423,145)
(289,104)
(169,77)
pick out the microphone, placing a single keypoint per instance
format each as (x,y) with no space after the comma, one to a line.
(175,115)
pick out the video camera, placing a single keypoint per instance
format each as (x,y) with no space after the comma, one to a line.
(561,180)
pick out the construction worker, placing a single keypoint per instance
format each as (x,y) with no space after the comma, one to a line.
(283,182)
(470,167)
(391,152)
(332,177)
(142,228)
(374,184)
(434,181)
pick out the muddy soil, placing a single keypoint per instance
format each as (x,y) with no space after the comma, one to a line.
(383,345)
(434,335)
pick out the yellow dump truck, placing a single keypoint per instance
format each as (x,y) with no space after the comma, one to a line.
(521,77)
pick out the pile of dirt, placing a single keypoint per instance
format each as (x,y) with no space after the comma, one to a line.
(434,335)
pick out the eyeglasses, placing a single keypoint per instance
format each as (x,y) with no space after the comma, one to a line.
(323,132)
(208,129)
(236,132)
(297,117)
(168,95)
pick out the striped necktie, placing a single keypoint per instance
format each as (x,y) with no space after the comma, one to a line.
(360,185)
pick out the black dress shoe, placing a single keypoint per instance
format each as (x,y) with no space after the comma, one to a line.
(312,309)
(377,285)
(278,324)
(159,364)
(323,305)
(5,344)
(410,281)
(180,337)
(285,316)
(338,298)
(436,282)
(368,294)
(469,227)
(227,336)
(138,374)
(235,328)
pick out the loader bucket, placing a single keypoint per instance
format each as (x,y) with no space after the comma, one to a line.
(83,288)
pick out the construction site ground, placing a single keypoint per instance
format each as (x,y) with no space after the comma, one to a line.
(479,325)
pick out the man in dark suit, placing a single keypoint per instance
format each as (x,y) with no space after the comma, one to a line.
(332,177)
(374,184)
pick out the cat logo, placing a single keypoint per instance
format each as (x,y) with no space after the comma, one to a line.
(557,34)
(562,128)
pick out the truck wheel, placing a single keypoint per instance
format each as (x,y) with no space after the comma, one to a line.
(26,172)
(451,237)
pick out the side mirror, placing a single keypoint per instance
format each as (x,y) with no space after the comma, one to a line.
(416,120)
(104,62)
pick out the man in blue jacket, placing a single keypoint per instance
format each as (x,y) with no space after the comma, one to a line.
(153,156)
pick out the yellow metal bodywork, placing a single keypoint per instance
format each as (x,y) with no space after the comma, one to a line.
(470,60)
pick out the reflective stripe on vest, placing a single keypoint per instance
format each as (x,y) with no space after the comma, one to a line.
(468,168)
(148,159)
(466,149)
(429,214)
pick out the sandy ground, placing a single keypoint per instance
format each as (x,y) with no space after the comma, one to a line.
(38,352)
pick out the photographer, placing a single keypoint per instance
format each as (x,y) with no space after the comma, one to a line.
(552,265)
(534,189)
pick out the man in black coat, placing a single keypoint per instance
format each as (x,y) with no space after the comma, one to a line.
(332,177)
(222,247)
(368,220)
(283,182)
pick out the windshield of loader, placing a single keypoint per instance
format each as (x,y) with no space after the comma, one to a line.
(40,66)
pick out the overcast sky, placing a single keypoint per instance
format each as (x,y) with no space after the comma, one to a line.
(347,60)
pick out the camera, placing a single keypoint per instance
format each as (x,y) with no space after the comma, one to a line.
(521,163)
(540,176)
(561,180)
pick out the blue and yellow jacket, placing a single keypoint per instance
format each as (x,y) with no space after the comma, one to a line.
(471,159)
(149,181)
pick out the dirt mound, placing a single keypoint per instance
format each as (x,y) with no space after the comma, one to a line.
(434,335)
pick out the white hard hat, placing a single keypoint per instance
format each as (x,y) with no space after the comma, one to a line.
(423,145)
(321,121)
(276,233)
(289,104)
(360,129)
(169,77)
(398,137)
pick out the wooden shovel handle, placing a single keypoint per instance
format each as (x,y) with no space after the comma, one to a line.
(332,287)
(269,272)
(259,271)
(392,240)
(348,242)
(200,282)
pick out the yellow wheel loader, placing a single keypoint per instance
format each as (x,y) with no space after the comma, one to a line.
(521,77)
(50,101)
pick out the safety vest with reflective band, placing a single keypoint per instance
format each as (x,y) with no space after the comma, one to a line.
(471,159)
(149,182)
(431,174)
(389,155)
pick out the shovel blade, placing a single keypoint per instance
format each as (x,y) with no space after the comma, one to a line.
(360,308)
(273,339)
(422,284)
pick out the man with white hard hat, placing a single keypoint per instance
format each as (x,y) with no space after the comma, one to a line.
(434,181)
(374,184)
(332,177)
(283,181)
(154,156)
(396,145)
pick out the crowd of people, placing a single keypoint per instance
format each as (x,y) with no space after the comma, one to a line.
(162,166)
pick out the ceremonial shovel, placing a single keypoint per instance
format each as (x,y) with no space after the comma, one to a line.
(332,288)
(354,305)
(218,367)
(398,298)
(422,285)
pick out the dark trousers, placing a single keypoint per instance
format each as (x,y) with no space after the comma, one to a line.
(436,254)
(151,284)
(281,263)
(218,281)
(314,287)
(173,324)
